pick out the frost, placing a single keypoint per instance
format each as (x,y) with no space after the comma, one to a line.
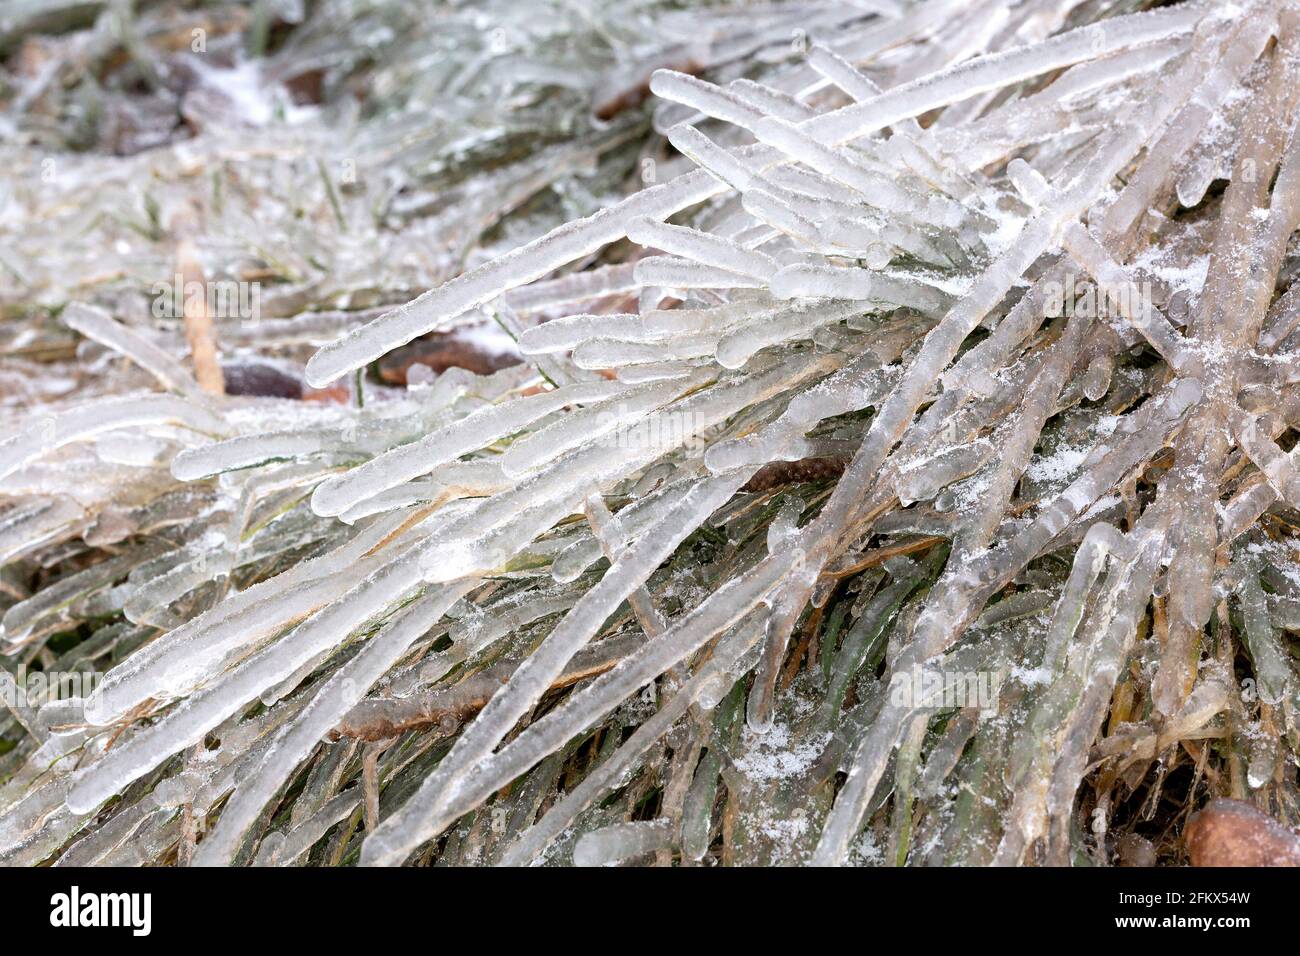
(775,755)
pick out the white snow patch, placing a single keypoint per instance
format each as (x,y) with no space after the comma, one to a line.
(1064,462)
(773,756)
(254,98)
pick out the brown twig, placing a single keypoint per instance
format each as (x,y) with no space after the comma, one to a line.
(384,717)
(198,322)
(879,556)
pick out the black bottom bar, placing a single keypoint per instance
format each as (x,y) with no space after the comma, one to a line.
(339,908)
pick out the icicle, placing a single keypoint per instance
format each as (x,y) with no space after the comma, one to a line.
(701,247)
(1255,441)
(475,431)
(297,841)
(701,95)
(608,419)
(856,386)
(877,190)
(470,479)
(180,659)
(993,71)
(923,480)
(565,333)
(770,101)
(48,432)
(15,698)
(655,371)
(97,324)
(190,720)
(705,153)
(423,813)
(861,284)
(736,348)
(21,618)
(611,353)
(578,287)
(622,841)
(528,262)
(334,699)
(673,273)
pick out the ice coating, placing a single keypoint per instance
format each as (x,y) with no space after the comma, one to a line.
(923,347)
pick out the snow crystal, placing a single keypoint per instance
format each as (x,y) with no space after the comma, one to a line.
(1064,462)
(774,756)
